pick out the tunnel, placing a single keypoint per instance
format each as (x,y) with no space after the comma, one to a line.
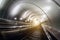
(29,20)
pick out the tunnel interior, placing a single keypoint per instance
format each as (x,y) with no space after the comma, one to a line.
(28,20)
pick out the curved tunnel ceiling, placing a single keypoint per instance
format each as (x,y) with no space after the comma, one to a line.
(49,7)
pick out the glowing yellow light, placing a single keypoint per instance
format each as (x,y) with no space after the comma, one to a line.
(35,22)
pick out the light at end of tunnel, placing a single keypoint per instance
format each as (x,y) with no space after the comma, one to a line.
(35,22)
(43,18)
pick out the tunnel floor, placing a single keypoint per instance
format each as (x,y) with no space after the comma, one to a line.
(35,33)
